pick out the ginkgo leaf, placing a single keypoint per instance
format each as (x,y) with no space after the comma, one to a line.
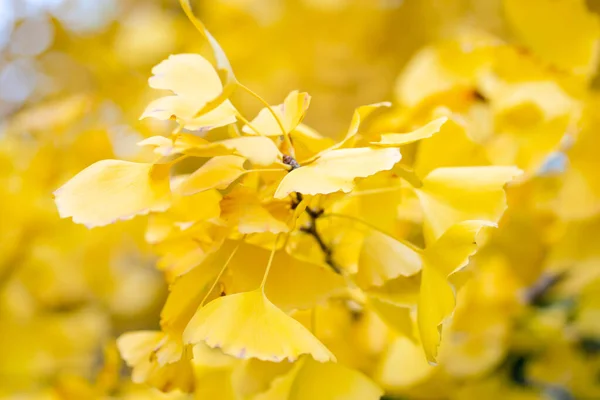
(138,349)
(292,285)
(216,173)
(225,72)
(185,249)
(359,116)
(256,149)
(383,258)
(242,208)
(251,377)
(185,295)
(572,47)
(195,83)
(308,142)
(290,113)
(248,325)
(402,291)
(321,381)
(110,190)
(451,195)
(184,110)
(436,302)
(188,75)
(424,132)
(336,170)
(396,317)
(188,210)
(452,146)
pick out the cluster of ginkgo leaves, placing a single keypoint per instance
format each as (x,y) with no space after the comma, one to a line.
(305,268)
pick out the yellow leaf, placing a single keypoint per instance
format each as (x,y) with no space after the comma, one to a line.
(451,147)
(257,149)
(573,46)
(224,69)
(402,291)
(308,142)
(383,258)
(424,132)
(447,255)
(290,113)
(396,317)
(188,210)
(243,209)
(251,377)
(248,325)
(183,250)
(453,195)
(321,381)
(138,349)
(217,173)
(186,292)
(111,190)
(358,118)
(195,83)
(293,284)
(184,110)
(188,75)
(336,170)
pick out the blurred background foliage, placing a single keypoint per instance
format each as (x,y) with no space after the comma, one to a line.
(73,82)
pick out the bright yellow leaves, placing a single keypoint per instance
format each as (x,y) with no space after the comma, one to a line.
(194,82)
(446,256)
(336,170)
(258,150)
(110,190)
(452,195)
(217,173)
(286,246)
(383,258)
(243,209)
(399,139)
(249,325)
(139,349)
(290,114)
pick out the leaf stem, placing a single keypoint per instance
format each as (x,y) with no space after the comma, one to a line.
(245,121)
(187,9)
(220,274)
(286,136)
(269,263)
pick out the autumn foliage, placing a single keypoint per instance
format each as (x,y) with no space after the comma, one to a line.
(443,245)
